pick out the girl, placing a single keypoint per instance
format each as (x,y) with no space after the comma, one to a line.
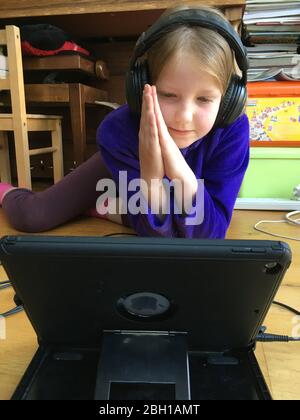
(176,138)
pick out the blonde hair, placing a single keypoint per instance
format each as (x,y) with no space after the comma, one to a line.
(212,50)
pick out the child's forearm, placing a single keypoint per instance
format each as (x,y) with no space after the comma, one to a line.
(185,189)
(186,192)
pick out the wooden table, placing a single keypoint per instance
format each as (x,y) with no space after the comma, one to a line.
(280,363)
(106,18)
(56,7)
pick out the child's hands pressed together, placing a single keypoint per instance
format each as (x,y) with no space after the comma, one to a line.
(159,154)
(175,165)
(151,161)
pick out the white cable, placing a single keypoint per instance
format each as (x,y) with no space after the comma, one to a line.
(289,216)
(288,219)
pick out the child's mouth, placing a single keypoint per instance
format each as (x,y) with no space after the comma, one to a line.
(181,132)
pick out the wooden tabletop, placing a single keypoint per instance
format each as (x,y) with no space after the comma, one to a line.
(17,8)
(279,362)
(94,19)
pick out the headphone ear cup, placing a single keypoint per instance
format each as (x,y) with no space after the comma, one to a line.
(130,89)
(233,102)
(135,82)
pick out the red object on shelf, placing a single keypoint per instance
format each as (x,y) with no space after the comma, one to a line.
(67,47)
(273,89)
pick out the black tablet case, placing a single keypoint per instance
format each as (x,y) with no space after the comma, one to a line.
(92,346)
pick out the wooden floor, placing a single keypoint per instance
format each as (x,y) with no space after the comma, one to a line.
(280,363)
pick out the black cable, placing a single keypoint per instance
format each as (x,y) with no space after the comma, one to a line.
(12,311)
(289,308)
(18,308)
(120,234)
(4,285)
(264,337)
(273,338)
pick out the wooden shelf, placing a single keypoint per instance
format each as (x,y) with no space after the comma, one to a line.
(66,63)
(71,62)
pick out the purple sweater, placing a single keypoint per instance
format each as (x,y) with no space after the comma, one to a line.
(220,158)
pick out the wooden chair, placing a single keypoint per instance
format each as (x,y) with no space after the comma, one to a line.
(20,122)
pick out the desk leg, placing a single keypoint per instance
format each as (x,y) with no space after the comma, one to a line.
(58,163)
(77,110)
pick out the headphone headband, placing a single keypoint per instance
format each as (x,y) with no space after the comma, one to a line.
(193,17)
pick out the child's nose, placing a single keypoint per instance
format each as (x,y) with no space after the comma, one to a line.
(185,113)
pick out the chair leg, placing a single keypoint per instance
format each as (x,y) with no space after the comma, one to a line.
(5,173)
(22,157)
(58,164)
(77,110)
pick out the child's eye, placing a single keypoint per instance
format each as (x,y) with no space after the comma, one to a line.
(204,100)
(169,95)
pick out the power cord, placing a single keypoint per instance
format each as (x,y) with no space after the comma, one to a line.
(289,218)
(120,234)
(12,311)
(289,308)
(4,284)
(18,308)
(268,338)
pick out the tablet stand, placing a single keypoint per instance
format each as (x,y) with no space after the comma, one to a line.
(143,365)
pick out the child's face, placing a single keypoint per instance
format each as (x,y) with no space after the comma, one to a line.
(189,99)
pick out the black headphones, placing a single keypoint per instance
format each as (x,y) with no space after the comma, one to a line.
(234,99)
